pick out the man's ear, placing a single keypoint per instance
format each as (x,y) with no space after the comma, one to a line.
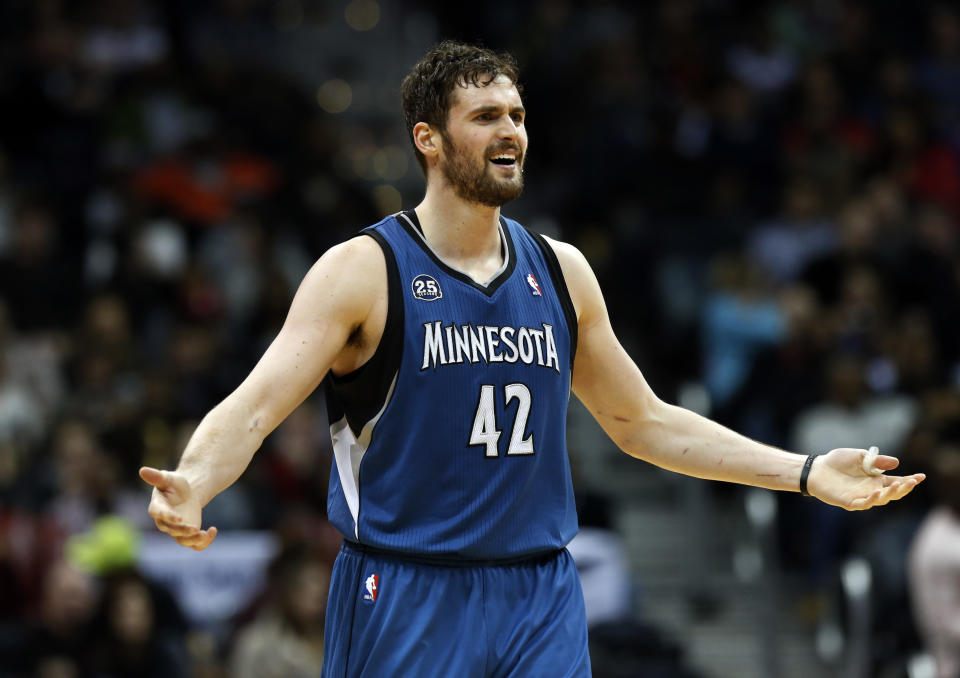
(426,139)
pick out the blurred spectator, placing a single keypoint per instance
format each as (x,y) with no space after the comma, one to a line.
(12,460)
(911,351)
(122,38)
(798,235)
(887,201)
(38,301)
(599,554)
(855,53)
(133,638)
(938,73)
(298,459)
(856,247)
(31,374)
(934,565)
(286,638)
(862,313)
(78,459)
(193,348)
(204,184)
(56,642)
(21,415)
(237,254)
(83,482)
(760,62)
(827,140)
(740,318)
(785,377)
(850,415)
(927,276)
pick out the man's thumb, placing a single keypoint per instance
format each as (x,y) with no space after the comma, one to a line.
(155,477)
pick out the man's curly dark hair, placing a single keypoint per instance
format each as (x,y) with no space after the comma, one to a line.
(427,90)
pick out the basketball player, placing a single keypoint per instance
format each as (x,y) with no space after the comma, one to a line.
(450,338)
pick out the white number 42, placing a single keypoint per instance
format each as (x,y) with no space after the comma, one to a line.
(485,431)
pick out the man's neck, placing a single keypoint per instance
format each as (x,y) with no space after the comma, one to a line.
(457,230)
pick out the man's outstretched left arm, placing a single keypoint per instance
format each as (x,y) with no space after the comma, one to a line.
(611,386)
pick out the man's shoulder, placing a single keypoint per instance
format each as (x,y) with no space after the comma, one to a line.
(365,243)
(359,260)
(359,250)
(570,258)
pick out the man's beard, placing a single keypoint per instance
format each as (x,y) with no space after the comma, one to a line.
(473,183)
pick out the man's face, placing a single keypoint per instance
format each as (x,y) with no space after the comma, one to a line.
(485,143)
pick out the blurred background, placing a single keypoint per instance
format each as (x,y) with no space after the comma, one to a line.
(769,192)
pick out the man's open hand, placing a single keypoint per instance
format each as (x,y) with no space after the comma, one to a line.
(839,478)
(175,510)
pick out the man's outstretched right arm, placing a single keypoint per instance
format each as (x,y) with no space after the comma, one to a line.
(342,296)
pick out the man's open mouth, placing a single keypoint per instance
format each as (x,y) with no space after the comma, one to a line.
(504,160)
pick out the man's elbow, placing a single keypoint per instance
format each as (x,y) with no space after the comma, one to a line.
(637,433)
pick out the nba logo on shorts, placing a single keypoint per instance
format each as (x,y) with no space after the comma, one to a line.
(372,584)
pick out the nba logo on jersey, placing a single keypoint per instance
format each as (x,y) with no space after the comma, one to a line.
(372,584)
(426,288)
(534,284)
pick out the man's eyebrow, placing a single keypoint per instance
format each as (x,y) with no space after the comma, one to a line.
(492,108)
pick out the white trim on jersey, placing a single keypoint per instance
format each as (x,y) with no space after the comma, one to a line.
(348,450)
(485,283)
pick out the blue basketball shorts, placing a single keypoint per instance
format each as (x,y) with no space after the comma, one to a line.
(389,617)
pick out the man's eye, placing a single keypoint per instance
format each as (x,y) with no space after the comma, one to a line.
(483,117)
(517,118)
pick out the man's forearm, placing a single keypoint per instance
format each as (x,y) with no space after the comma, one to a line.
(221,448)
(683,441)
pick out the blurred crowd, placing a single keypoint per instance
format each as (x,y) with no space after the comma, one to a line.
(769,192)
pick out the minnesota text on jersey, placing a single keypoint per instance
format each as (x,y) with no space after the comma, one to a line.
(453,345)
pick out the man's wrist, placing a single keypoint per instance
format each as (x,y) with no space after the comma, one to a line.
(805,474)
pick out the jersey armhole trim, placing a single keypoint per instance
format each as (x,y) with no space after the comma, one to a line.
(560,285)
(391,341)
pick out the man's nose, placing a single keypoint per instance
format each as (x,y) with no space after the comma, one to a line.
(508,129)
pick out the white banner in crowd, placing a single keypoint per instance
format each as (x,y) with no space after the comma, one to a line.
(213,584)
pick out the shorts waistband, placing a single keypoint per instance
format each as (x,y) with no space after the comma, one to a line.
(450,561)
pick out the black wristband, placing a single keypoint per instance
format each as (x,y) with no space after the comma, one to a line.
(805,473)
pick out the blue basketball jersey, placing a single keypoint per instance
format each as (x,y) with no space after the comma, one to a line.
(450,441)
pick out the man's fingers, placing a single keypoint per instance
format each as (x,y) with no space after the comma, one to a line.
(191,541)
(917,478)
(895,488)
(155,477)
(885,462)
(906,486)
(201,540)
(863,502)
(890,493)
(192,537)
(159,511)
(878,497)
(176,530)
